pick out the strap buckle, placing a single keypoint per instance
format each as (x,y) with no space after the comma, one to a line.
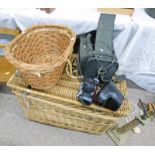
(101,71)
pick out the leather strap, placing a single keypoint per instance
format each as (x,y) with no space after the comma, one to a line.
(104,35)
(91,62)
(86,49)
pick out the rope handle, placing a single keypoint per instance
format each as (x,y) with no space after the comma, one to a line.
(69,70)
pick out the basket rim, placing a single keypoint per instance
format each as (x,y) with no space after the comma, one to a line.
(41,68)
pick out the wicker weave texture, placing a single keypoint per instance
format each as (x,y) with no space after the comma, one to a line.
(58,106)
(59,115)
(65,93)
(40,54)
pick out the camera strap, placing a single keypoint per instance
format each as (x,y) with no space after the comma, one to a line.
(98,66)
(100,61)
(104,42)
(104,35)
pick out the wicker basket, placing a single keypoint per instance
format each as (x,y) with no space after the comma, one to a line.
(40,54)
(58,106)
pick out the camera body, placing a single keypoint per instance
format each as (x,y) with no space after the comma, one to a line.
(109,97)
(87,90)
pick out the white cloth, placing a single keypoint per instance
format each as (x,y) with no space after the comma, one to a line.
(79,20)
(7,18)
(135,49)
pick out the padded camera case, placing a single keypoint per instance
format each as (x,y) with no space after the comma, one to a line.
(99,60)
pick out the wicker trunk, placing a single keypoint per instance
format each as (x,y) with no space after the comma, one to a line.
(58,106)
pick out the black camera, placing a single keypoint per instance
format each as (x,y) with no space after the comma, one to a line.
(87,90)
(97,64)
(109,97)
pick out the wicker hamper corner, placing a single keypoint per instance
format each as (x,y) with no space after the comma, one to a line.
(58,106)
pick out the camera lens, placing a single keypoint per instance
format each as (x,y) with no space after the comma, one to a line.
(87,91)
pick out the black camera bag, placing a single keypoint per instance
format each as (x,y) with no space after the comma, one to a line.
(99,61)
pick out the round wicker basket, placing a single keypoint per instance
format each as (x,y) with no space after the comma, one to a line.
(40,54)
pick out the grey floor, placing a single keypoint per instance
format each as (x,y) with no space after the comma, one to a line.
(15,129)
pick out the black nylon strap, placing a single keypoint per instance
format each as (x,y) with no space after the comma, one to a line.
(104,35)
(86,49)
(82,52)
(102,61)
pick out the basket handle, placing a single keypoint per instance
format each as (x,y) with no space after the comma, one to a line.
(69,70)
